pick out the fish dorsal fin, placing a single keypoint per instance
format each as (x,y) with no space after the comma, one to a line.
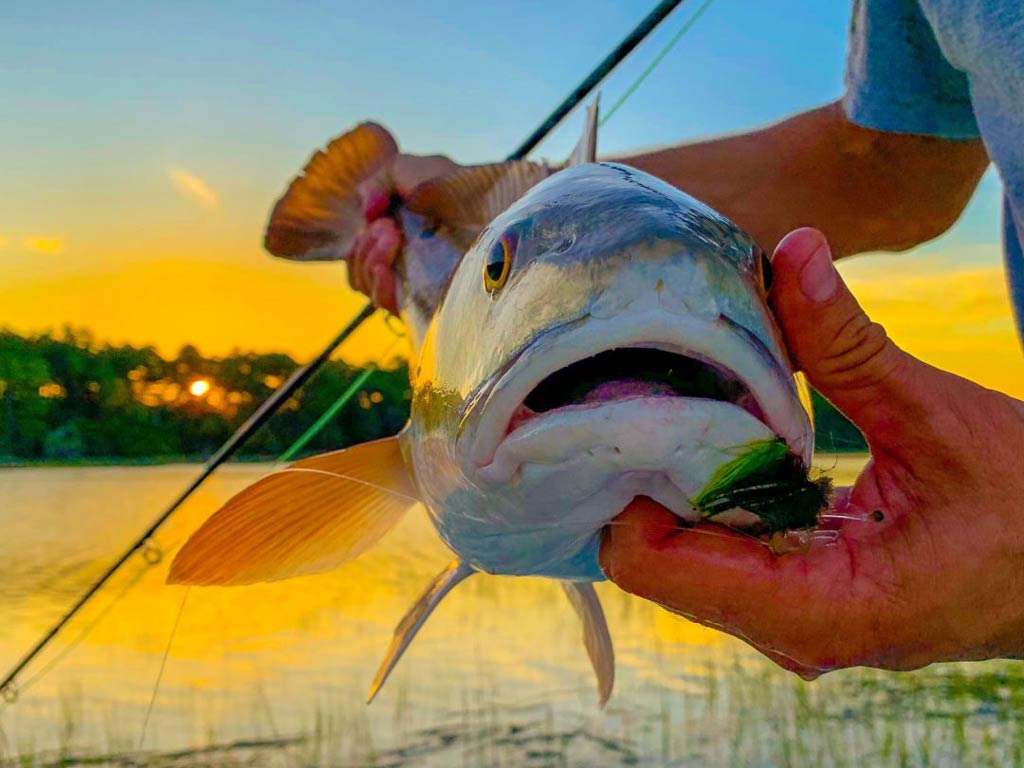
(310,517)
(465,201)
(586,148)
(410,624)
(596,637)
(318,217)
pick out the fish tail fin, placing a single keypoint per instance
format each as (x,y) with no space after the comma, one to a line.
(585,150)
(313,516)
(320,214)
(596,637)
(410,624)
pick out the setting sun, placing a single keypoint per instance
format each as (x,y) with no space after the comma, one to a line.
(199,387)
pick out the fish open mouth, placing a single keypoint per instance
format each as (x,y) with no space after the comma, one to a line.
(632,372)
(657,356)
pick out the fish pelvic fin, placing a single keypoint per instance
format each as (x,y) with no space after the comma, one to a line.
(585,150)
(596,638)
(410,624)
(310,517)
(320,214)
(461,203)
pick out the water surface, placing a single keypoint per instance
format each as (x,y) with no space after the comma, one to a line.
(277,674)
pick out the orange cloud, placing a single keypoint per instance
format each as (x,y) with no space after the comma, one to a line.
(956,318)
(45,245)
(190,185)
(966,296)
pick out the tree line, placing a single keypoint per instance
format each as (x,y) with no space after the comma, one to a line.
(65,397)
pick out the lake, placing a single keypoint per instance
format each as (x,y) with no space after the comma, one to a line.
(277,674)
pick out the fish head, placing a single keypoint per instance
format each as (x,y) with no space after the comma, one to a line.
(606,336)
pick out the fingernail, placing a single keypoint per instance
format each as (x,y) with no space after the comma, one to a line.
(818,278)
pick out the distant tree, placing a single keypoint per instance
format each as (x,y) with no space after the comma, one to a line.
(64,442)
(67,397)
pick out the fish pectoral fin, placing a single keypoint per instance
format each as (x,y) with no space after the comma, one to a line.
(410,624)
(585,150)
(465,201)
(596,637)
(310,517)
(320,214)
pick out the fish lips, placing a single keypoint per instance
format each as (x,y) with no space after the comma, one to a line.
(720,342)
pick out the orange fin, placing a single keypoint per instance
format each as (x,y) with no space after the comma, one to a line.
(420,611)
(596,638)
(467,200)
(318,217)
(310,517)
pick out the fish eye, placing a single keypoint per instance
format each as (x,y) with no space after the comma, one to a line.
(498,264)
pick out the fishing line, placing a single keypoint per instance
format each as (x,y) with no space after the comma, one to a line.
(163,665)
(599,73)
(85,631)
(338,404)
(655,62)
(8,689)
(259,417)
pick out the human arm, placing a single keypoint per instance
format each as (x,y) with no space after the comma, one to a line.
(938,578)
(866,190)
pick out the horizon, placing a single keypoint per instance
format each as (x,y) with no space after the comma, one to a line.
(146,146)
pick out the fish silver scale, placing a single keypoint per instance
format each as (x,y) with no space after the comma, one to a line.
(647,266)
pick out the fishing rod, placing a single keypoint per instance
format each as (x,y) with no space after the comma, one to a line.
(144,543)
(151,552)
(599,73)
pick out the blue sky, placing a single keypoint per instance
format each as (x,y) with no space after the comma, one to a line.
(244,91)
(142,144)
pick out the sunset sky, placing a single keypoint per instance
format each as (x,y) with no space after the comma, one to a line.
(143,144)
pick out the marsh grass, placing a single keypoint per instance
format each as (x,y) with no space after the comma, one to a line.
(735,713)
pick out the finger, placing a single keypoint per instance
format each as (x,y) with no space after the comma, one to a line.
(383,240)
(389,240)
(382,249)
(784,606)
(375,195)
(354,262)
(389,243)
(846,356)
(370,255)
(384,288)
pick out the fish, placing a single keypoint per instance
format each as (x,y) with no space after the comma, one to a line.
(582,335)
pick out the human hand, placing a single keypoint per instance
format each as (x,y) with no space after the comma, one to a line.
(373,253)
(939,577)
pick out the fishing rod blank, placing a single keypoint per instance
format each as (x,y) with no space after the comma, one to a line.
(281,395)
(144,542)
(599,73)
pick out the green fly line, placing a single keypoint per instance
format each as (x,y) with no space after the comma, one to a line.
(361,379)
(350,391)
(341,402)
(655,61)
(10,690)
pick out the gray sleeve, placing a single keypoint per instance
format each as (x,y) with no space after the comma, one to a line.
(897,78)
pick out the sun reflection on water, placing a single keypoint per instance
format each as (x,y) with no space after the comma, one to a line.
(497,674)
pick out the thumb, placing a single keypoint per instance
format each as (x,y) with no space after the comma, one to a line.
(846,356)
(784,606)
